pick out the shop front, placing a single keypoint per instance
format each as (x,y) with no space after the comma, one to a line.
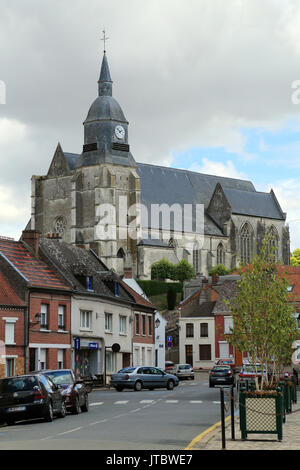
(88,356)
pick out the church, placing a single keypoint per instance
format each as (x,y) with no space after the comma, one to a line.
(103,199)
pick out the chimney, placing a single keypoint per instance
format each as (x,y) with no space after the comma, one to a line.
(128,273)
(32,239)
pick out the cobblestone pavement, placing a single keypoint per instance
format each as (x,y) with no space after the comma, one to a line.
(291,436)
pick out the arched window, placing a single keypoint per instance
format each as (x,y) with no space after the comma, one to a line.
(220,254)
(273,241)
(121,253)
(246,243)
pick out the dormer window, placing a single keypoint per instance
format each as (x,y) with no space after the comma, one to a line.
(89,282)
(117,289)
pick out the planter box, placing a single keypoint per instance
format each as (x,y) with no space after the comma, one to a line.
(261,413)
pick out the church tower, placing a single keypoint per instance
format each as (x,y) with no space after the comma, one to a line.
(86,197)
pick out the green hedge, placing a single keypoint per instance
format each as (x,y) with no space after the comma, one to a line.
(159,287)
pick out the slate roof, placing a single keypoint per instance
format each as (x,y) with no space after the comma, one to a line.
(139,299)
(73,262)
(33,270)
(257,204)
(7,295)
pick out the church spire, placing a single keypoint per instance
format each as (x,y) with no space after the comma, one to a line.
(105,81)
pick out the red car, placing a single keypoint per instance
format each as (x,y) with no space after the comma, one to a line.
(169,367)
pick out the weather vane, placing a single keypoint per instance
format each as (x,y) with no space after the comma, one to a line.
(104,39)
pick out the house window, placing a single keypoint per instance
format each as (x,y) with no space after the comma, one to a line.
(123,324)
(61,317)
(109,361)
(143,325)
(9,332)
(43,359)
(150,325)
(60,358)
(89,282)
(137,324)
(220,254)
(108,322)
(273,241)
(189,330)
(246,243)
(204,330)
(85,319)
(205,352)
(228,325)
(9,367)
(117,288)
(44,315)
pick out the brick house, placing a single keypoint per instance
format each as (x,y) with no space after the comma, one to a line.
(143,331)
(13,313)
(48,301)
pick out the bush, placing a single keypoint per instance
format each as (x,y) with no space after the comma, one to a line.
(219,269)
(152,288)
(162,270)
(184,271)
(171,298)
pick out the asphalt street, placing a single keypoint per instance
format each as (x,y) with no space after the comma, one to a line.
(128,420)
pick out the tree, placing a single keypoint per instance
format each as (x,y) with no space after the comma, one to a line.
(162,270)
(183,271)
(219,269)
(171,298)
(263,321)
(295,257)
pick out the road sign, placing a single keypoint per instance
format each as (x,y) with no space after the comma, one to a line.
(94,345)
(77,343)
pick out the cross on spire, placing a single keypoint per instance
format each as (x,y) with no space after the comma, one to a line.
(104,39)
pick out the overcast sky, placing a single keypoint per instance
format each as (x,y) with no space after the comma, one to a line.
(205,85)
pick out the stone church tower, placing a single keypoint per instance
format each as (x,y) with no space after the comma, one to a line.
(76,198)
(85,198)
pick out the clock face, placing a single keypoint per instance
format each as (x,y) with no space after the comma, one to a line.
(120,132)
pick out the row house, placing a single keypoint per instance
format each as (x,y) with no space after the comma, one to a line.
(13,314)
(47,305)
(204,322)
(104,310)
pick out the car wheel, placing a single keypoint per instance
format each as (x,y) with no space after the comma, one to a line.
(170,385)
(49,413)
(76,408)
(138,386)
(119,388)
(63,411)
(85,407)
(193,378)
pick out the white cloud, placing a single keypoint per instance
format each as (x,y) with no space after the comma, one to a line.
(210,167)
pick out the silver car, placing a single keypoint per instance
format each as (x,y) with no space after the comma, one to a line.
(184,371)
(141,377)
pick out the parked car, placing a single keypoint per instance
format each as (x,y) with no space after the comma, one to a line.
(221,375)
(169,367)
(184,371)
(226,362)
(249,372)
(74,390)
(30,396)
(141,377)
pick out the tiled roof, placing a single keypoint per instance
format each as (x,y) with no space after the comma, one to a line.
(35,272)
(137,297)
(7,295)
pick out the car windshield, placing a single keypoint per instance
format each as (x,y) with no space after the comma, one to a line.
(127,370)
(60,377)
(221,368)
(18,384)
(184,367)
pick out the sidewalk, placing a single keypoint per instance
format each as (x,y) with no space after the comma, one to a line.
(212,440)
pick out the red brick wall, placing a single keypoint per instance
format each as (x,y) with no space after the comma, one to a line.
(219,334)
(52,335)
(140,338)
(12,350)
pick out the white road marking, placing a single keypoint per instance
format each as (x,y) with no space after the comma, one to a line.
(98,422)
(146,401)
(172,401)
(121,402)
(196,401)
(217,402)
(134,411)
(96,404)
(71,430)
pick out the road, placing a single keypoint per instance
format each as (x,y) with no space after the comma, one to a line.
(128,420)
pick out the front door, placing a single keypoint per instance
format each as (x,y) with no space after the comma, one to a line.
(189,354)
